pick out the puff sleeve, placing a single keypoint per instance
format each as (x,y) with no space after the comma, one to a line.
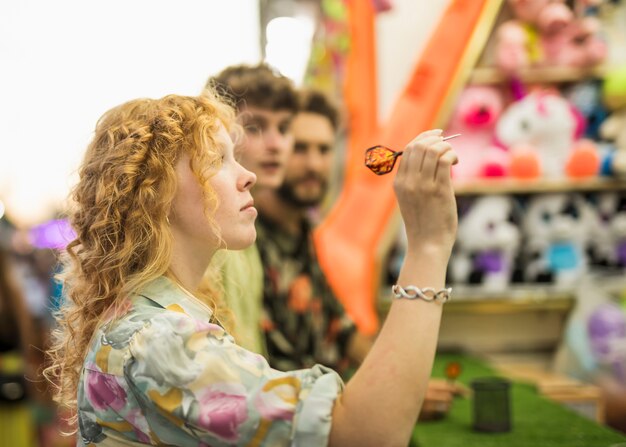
(196,387)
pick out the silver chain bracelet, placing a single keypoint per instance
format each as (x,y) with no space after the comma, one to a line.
(412,293)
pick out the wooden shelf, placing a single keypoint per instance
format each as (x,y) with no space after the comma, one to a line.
(515,300)
(511,306)
(516,186)
(544,75)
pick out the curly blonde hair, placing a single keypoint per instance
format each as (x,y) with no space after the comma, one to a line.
(122,201)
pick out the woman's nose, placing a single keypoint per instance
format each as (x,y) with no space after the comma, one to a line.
(248,179)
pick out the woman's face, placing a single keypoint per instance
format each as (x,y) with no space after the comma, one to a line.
(235,214)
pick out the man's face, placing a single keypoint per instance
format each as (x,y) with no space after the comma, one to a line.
(308,168)
(267,144)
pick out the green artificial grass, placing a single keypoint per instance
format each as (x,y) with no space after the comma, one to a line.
(536,421)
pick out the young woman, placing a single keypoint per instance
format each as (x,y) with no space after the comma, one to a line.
(143,353)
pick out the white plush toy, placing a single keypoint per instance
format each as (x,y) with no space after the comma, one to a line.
(544,124)
(608,235)
(486,245)
(557,228)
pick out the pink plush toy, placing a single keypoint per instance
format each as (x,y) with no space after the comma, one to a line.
(519,41)
(546,126)
(546,32)
(577,45)
(477,111)
(513,50)
(547,16)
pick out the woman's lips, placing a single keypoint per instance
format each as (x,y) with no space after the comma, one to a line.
(249,208)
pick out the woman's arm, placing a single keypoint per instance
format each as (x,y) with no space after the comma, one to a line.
(381,403)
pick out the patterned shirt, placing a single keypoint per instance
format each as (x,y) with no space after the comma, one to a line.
(163,374)
(303,321)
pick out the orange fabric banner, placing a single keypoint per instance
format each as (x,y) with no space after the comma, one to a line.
(348,240)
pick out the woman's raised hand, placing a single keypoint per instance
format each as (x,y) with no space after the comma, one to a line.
(425,194)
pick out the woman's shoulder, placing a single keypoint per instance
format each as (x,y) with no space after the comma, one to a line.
(155,317)
(109,347)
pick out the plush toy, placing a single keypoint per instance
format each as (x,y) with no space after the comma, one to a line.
(586,97)
(607,247)
(557,229)
(487,244)
(477,111)
(614,127)
(516,47)
(518,41)
(546,32)
(607,335)
(577,45)
(545,127)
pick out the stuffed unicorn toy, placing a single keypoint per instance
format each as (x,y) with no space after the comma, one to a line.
(547,126)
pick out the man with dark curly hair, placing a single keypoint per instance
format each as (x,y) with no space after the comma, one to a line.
(266,102)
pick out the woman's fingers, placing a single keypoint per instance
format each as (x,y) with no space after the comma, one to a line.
(428,133)
(431,158)
(442,174)
(416,151)
(427,156)
(420,141)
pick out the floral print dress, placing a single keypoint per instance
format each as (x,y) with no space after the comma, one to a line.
(164,375)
